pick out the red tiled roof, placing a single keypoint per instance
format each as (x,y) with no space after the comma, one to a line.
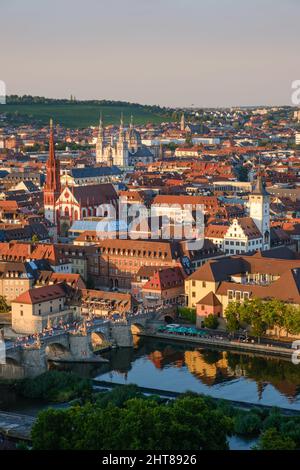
(165,279)
(216,231)
(207,201)
(41,294)
(210,299)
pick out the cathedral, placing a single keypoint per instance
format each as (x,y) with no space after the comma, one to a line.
(124,151)
(63,206)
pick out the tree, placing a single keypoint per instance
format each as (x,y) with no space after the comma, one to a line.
(187,423)
(291,320)
(273,313)
(247,424)
(211,321)
(4,308)
(272,439)
(232,316)
(34,238)
(251,313)
(53,430)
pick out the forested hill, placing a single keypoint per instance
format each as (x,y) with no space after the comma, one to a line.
(75,113)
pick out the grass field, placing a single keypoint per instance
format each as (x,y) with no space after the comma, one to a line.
(81,115)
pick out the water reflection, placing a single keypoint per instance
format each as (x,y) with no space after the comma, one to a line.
(223,374)
(231,375)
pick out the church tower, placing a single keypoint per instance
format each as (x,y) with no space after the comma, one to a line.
(100,144)
(259,201)
(52,188)
(122,148)
(182,123)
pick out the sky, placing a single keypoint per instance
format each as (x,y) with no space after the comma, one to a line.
(205,53)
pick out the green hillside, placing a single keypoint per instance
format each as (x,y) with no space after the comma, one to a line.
(79,115)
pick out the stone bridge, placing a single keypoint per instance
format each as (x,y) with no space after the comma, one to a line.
(32,360)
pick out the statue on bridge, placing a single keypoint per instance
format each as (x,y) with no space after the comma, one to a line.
(38,342)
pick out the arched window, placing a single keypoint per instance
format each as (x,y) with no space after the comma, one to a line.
(67,212)
(267,236)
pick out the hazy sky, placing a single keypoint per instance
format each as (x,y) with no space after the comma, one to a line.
(168,52)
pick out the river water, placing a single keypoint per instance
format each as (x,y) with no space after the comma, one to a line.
(171,366)
(222,374)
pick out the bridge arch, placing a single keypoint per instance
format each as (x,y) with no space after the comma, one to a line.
(137,328)
(168,317)
(99,340)
(57,350)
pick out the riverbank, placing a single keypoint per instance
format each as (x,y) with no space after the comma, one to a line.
(269,350)
(103,385)
(16,426)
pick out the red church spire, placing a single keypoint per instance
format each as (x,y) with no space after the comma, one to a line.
(52,166)
(52,188)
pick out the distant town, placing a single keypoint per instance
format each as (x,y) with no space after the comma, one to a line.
(241,165)
(94,251)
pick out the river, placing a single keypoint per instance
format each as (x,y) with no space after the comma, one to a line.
(222,374)
(171,366)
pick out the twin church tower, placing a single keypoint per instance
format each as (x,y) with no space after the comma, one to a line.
(124,151)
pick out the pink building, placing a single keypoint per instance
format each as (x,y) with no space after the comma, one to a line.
(209,304)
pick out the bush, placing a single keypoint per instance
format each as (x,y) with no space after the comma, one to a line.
(247,424)
(188,314)
(272,439)
(55,386)
(211,322)
(118,396)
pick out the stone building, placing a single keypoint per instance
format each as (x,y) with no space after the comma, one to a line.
(126,151)
(32,310)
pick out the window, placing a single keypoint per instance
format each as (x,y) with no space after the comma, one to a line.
(246,295)
(193,294)
(230,295)
(237,296)
(193,283)
(21,313)
(203,284)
